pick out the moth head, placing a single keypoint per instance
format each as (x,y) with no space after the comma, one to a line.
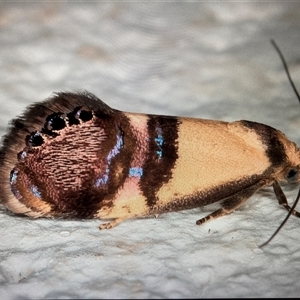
(292,175)
(289,164)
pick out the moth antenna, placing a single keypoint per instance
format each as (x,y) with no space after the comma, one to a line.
(283,222)
(298,96)
(286,68)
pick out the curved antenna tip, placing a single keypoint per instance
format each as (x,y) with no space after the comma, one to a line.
(286,68)
(283,222)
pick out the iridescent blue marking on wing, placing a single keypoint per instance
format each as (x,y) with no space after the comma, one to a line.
(35,191)
(13,182)
(159,140)
(22,155)
(136,172)
(116,150)
(13,176)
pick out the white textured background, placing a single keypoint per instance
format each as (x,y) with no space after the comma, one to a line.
(209,60)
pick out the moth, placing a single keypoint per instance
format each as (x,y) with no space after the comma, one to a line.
(73,156)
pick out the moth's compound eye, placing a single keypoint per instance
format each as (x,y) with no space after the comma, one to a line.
(55,121)
(35,139)
(292,175)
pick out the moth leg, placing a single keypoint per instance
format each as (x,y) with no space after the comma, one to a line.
(282,198)
(231,203)
(111,224)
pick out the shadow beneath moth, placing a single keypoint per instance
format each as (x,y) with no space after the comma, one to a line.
(72,156)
